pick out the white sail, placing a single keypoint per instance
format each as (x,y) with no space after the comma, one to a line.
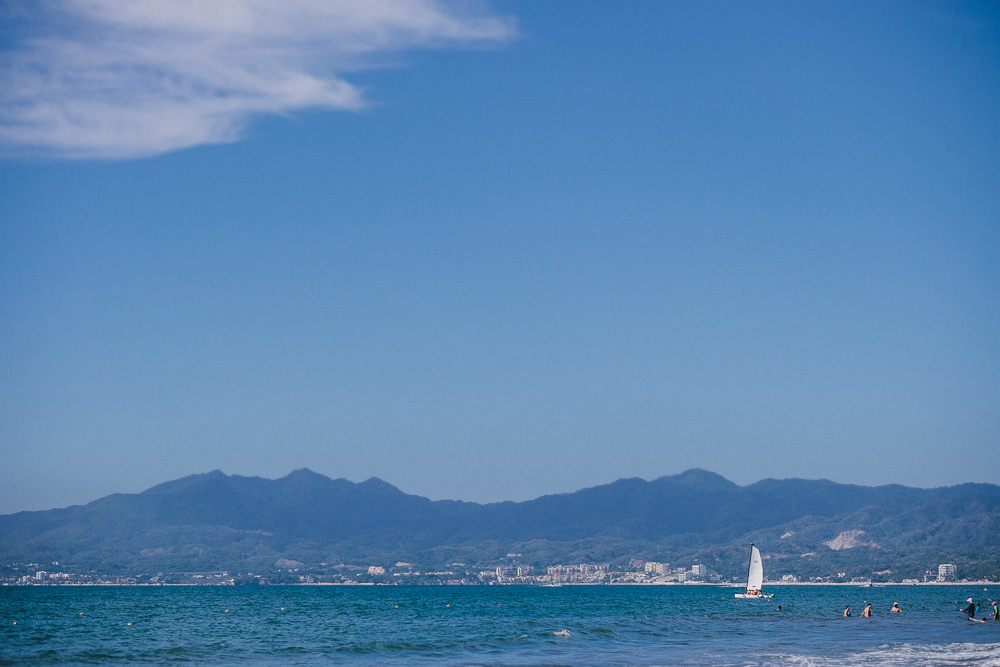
(755,577)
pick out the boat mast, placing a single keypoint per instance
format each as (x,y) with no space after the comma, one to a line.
(749,565)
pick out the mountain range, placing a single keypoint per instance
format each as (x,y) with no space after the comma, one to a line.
(214,521)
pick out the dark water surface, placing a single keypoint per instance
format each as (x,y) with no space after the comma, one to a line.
(572,625)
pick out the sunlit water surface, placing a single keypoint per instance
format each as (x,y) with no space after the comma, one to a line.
(571,625)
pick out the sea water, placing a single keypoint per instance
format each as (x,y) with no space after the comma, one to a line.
(492,625)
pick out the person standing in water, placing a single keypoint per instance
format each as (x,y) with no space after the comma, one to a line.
(867,613)
(895,608)
(847,611)
(971,609)
(996,611)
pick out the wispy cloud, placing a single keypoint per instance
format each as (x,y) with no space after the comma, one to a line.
(125,79)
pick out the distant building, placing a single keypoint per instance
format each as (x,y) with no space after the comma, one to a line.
(946,572)
(654,567)
(376,569)
(699,570)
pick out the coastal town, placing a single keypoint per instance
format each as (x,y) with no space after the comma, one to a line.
(290,572)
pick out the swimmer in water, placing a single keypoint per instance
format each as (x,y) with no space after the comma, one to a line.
(867,613)
(895,608)
(847,611)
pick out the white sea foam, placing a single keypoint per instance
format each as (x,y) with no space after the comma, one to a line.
(910,655)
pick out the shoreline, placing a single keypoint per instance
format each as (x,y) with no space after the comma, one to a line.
(768,584)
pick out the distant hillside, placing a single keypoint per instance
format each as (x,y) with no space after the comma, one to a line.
(811,528)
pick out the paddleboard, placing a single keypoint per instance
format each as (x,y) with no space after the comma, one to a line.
(976,620)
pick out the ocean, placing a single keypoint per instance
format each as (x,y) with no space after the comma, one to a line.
(492,625)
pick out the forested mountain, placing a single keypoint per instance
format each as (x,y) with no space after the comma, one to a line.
(213,521)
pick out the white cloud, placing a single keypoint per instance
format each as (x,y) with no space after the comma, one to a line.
(125,79)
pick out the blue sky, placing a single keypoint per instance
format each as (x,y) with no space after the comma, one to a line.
(493,251)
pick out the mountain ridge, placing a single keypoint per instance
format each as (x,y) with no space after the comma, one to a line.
(232,521)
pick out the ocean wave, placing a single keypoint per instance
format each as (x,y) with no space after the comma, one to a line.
(904,655)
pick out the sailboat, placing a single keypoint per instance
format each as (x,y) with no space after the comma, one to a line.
(755,577)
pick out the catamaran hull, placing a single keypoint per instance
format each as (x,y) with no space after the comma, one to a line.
(744,596)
